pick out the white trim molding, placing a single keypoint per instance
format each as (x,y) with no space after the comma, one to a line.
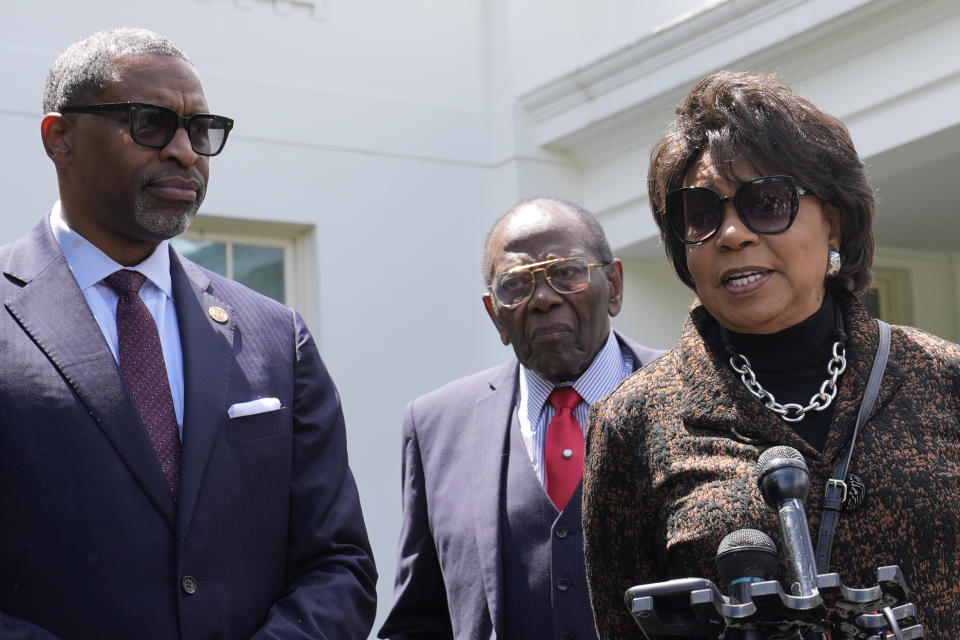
(315,8)
(651,74)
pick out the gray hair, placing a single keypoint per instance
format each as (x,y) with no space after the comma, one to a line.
(594,236)
(88,67)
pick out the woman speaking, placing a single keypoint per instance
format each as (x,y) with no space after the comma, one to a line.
(765,212)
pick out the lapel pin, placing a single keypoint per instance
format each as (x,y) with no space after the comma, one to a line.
(219,314)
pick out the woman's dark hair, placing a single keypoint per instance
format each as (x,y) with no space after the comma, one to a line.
(756,118)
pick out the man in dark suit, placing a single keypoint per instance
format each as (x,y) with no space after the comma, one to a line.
(172,449)
(490,545)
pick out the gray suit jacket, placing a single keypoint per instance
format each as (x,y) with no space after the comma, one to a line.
(267,539)
(449,580)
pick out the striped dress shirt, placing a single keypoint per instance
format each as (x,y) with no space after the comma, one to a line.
(611,366)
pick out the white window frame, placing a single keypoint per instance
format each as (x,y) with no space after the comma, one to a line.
(294,239)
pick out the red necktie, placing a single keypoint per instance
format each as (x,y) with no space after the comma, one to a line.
(563,452)
(141,362)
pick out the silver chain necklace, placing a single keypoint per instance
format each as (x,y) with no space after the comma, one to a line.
(793,412)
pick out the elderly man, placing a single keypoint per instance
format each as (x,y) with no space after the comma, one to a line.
(172,450)
(491,545)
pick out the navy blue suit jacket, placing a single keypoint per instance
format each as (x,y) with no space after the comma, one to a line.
(449,580)
(267,539)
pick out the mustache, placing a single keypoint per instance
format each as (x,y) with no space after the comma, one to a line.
(186,173)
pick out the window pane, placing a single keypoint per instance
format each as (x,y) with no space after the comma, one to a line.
(260,268)
(212,255)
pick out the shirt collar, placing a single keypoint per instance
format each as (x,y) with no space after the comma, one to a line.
(600,378)
(90,265)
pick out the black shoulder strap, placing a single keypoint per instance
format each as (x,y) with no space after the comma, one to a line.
(836,490)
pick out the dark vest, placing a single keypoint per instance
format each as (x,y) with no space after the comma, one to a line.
(544,577)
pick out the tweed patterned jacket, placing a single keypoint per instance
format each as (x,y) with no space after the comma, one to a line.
(671,469)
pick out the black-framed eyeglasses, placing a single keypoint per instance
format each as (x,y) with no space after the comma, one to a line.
(766,205)
(515,286)
(154,126)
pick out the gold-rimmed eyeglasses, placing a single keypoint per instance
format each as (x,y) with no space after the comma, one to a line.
(515,286)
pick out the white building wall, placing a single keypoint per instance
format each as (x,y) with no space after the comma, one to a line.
(655,304)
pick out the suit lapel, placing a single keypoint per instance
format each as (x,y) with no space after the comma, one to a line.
(641,354)
(51,308)
(207,357)
(490,432)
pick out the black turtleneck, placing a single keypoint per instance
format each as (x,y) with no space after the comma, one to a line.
(792,364)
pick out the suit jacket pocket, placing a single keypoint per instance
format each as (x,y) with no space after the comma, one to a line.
(258,425)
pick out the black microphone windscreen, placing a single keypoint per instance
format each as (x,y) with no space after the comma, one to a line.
(747,553)
(782,474)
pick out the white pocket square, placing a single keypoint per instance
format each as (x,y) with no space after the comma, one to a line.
(260,405)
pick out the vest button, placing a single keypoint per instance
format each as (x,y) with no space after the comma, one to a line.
(563,584)
(189,585)
(562,532)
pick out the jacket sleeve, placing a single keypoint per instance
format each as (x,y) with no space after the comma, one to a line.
(616,540)
(420,608)
(331,578)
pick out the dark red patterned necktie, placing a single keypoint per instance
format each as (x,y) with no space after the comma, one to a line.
(141,361)
(563,452)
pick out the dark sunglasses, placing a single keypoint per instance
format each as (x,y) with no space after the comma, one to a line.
(154,126)
(766,205)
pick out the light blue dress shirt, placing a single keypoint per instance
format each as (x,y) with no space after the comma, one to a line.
(90,266)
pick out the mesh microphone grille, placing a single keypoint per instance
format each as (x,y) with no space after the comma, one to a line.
(779,452)
(746,538)
(747,553)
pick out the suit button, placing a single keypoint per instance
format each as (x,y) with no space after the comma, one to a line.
(562,532)
(563,584)
(189,585)
(566,635)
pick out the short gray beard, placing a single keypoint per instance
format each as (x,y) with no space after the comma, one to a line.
(162,224)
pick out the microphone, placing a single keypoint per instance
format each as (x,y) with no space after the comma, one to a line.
(744,557)
(784,481)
